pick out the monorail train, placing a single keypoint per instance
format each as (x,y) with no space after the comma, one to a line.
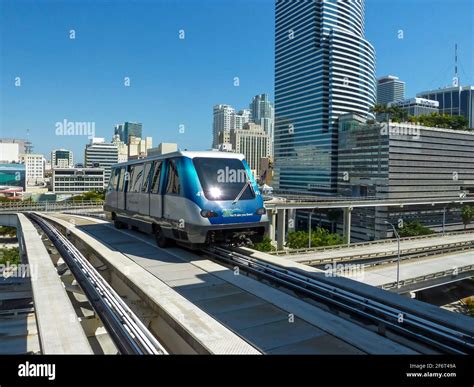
(195,198)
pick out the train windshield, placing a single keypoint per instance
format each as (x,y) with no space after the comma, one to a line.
(223,179)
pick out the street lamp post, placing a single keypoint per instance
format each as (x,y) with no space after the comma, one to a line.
(309,228)
(398,260)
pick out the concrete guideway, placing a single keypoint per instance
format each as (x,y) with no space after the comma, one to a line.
(253,310)
(446,318)
(191,330)
(366,251)
(59,329)
(421,273)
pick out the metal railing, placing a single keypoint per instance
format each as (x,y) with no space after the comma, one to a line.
(25,206)
(127,331)
(344,246)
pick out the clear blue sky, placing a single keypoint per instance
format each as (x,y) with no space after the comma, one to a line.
(177,81)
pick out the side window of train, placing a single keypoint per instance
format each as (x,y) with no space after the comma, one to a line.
(113,180)
(146,177)
(136,181)
(155,180)
(173,186)
(121,179)
(131,175)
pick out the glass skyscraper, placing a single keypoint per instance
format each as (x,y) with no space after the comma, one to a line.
(323,68)
(128,129)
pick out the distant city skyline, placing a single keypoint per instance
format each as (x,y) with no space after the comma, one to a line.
(174,83)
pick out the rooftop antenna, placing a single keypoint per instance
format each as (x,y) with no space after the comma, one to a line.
(455,78)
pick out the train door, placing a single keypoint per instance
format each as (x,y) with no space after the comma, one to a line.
(144,208)
(134,187)
(172,207)
(112,194)
(156,198)
(121,187)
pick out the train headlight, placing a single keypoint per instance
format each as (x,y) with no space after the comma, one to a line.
(261,211)
(208,214)
(215,192)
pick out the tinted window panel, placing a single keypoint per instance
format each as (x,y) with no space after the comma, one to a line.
(155,181)
(223,179)
(146,177)
(173,186)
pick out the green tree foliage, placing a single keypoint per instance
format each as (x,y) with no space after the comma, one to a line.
(7,231)
(319,237)
(467,213)
(411,229)
(10,256)
(94,196)
(441,121)
(265,245)
(436,120)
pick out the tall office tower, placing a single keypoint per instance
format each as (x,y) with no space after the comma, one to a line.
(222,121)
(454,100)
(323,68)
(99,154)
(128,129)
(390,89)
(263,114)
(62,158)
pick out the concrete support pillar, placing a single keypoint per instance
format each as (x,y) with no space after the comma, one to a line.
(347,225)
(281,229)
(272,225)
(291,220)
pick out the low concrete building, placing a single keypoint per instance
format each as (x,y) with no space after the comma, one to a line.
(403,161)
(77,180)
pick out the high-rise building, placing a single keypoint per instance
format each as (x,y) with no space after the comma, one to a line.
(128,129)
(253,143)
(99,154)
(34,166)
(62,158)
(121,147)
(390,89)
(222,122)
(263,114)
(455,101)
(324,67)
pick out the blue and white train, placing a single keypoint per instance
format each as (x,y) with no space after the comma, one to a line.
(195,198)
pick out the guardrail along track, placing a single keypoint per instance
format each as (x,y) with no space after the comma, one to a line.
(128,333)
(408,324)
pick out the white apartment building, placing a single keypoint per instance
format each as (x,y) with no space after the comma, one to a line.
(34,167)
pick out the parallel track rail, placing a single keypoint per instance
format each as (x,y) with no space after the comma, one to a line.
(408,324)
(128,333)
